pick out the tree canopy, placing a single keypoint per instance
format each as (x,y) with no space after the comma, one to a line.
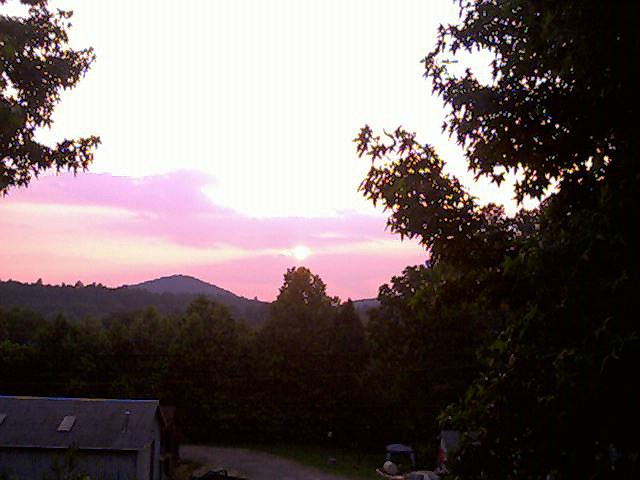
(36,64)
(561,99)
(549,292)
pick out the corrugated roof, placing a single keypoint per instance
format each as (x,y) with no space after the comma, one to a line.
(100,423)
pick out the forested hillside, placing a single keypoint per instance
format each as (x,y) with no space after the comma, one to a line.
(78,301)
(184,284)
(168,295)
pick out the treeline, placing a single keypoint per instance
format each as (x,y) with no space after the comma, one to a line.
(312,368)
(78,301)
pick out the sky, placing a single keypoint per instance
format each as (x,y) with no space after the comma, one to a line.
(227,149)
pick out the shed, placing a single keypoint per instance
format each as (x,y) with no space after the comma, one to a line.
(102,438)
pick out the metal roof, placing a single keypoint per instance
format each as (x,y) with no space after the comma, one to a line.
(100,424)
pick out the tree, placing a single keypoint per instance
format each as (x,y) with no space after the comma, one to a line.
(23,326)
(348,355)
(302,291)
(17,364)
(347,340)
(300,316)
(57,345)
(555,397)
(408,179)
(36,64)
(295,352)
(555,65)
(204,360)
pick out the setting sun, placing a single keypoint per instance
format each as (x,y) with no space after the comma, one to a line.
(301,252)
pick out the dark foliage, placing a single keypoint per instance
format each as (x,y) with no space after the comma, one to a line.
(296,379)
(547,298)
(79,301)
(36,64)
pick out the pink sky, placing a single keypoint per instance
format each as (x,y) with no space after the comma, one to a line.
(228,143)
(122,230)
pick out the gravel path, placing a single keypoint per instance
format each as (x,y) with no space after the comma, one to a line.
(254,465)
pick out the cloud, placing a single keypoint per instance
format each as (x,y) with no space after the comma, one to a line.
(114,230)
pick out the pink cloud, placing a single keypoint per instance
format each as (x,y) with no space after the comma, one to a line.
(114,230)
(143,194)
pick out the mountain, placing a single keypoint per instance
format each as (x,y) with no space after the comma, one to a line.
(183,284)
(169,295)
(363,306)
(254,312)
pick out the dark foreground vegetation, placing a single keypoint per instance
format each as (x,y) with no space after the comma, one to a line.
(550,295)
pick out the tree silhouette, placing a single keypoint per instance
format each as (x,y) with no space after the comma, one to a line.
(552,289)
(36,65)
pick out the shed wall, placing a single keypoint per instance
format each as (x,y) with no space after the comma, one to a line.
(36,463)
(144,456)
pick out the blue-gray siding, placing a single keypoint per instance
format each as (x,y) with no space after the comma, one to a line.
(37,463)
(109,445)
(144,457)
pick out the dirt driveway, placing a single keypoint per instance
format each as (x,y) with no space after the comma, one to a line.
(254,465)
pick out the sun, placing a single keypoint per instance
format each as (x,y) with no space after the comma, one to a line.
(300,252)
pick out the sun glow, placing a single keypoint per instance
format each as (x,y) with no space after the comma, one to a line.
(301,252)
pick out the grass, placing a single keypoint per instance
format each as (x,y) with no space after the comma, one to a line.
(184,470)
(347,462)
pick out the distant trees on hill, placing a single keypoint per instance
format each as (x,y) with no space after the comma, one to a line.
(79,301)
